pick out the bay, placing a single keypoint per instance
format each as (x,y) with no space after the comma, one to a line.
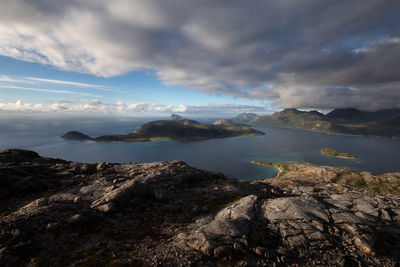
(230,156)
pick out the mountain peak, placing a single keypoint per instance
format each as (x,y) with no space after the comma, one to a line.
(244,118)
(290,110)
(176,117)
(222,122)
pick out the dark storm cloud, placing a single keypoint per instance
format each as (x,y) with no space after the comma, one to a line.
(305,54)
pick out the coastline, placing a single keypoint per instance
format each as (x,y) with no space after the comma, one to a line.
(339,156)
(262,163)
(328,133)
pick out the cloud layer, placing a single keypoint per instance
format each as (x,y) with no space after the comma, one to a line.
(305,54)
(97,107)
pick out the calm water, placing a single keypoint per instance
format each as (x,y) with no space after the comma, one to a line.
(231,156)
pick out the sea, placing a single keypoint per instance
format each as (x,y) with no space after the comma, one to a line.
(231,156)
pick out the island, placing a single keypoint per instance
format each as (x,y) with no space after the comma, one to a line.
(177,129)
(327,151)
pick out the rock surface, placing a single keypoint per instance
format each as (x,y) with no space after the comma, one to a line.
(56,212)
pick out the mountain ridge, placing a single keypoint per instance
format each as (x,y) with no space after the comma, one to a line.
(339,121)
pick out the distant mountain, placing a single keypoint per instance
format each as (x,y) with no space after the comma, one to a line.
(176,117)
(244,118)
(180,130)
(223,122)
(295,119)
(349,115)
(338,121)
(316,113)
(386,113)
(388,126)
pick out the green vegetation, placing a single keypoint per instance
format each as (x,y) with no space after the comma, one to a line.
(175,129)
(383,184)
(327,151)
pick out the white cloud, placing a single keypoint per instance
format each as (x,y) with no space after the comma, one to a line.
(180,108)
(20,106)
(34,80)
(92,106)
(44,90)
(97,107)
(77,84)
(7,79)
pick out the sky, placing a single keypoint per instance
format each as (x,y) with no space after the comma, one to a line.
(214,58)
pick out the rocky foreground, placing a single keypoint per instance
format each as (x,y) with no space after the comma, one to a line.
(57,212)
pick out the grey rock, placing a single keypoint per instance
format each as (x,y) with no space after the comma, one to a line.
(396,212)
(107,208)
(222,251)
(342,201)
(243,210)
(63,197)
(168,213)
(77,200)
(287,230)
(341,217)
(40,202)
(296,241)
(385,215)
(316,235)
(231,228)
(366,218)
(101,166)
(294,208)
(88,168)
(365,206)
(78,219)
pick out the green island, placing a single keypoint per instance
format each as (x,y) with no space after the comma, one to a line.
(177,128)
(327,151)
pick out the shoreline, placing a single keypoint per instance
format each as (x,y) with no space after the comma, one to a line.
(339,156)
(262,163)
(329,133)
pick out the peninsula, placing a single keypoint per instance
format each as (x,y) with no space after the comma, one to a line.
(177,128)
